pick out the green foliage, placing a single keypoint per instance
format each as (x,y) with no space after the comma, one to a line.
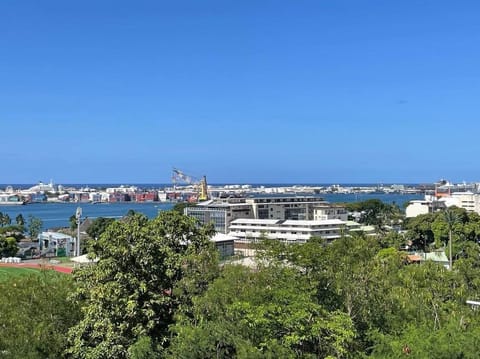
(434,230)
(73,222)
(375,212)
(143,349)
(35,315)
(8,246)
(268,313)
(5,219)
(180,206)
(131,213)
(98,226)
(158,291)
(13,231)
(457,338)
(20,220)
(7,273)
(384,297)
(34,226)
(128,294)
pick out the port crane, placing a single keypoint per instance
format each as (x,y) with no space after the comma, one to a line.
(200,185)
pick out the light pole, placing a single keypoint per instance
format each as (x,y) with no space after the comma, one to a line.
(78,216)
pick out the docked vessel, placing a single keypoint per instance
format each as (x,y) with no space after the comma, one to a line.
(11,199)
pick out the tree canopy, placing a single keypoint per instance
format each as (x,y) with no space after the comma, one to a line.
(159,291)
(35,314)
(128,295)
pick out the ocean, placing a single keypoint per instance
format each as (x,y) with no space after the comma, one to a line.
(56,215)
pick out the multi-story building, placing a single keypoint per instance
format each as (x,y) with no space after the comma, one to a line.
(290,231)
(467,200)
(56,244)
(284,207)
(223,212)
(219,213)
(418,207)
(329,211)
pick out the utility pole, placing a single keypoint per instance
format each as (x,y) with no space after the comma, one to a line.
(78,216)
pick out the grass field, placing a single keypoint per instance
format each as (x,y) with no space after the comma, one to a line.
(9,272)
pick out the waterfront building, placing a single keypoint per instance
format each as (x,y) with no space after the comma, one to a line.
(151,196)
(37,197)
(122,189)
(10,199)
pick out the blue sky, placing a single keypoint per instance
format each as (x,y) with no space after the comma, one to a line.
(240,91)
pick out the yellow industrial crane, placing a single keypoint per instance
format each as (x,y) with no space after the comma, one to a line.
(179,176)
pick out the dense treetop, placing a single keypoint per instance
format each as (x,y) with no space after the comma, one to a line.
(158,291)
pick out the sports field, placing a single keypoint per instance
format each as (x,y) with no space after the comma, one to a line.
(9,272)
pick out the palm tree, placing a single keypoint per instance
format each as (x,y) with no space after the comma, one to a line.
(20,220)
(7,220)
(451,218)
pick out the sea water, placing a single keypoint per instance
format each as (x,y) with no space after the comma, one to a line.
(56,215)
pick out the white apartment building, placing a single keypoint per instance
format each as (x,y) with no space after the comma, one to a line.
(467,200)
(290,231)
(418,207)
(329,211)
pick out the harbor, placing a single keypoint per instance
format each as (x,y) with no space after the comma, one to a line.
(56,215)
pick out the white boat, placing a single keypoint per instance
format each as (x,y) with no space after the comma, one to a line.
(11,199)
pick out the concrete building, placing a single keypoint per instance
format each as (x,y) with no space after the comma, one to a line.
(225,244)
(219,213)
(284,207)
(329,211)
(467,200)
(419,207)
(223,211)
(290,231)
(56,244)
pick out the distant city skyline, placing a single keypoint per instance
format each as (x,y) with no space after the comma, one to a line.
(242,92)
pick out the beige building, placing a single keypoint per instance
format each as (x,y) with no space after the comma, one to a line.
(467,200)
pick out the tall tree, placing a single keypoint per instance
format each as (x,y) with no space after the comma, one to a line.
(20,220)
(34,226)
(98,226)
(267,313)
(73,222)
(6,220)
(128,295)
(35,315)
(8,246)
(451,218)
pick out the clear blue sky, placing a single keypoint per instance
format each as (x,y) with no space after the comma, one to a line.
(241,91)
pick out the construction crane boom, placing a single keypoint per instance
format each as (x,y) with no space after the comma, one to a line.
(200,185)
